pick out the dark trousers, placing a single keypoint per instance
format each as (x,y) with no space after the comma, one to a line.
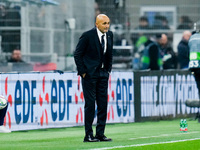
(95,89)
(2,115)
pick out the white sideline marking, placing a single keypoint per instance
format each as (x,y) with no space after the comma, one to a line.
(137,145)
(163,135)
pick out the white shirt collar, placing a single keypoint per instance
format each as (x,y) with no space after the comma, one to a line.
(100,34)
(105,39)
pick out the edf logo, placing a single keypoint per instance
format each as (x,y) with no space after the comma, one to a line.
(24,96)
(25,100)
(123,97)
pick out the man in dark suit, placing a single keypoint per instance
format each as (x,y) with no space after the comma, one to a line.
(93,58)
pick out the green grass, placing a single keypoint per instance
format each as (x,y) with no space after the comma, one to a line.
(130,134)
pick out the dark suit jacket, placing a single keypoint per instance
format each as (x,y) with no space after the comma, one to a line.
(88,52)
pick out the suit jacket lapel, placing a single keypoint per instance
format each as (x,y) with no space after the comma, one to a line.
(97,43)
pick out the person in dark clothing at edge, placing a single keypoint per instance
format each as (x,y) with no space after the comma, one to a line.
(194,64)
(2,116)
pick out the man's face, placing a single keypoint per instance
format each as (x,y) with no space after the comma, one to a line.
(163,41)
(16,55)
(103,24)
(143,23)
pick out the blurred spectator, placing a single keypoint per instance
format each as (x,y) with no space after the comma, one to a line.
(143,24)
(185,23)
(160,22)
(140,42)
(9,17)
(16,56)
(168,55)
(151,58)
(138,51)
(17,63)
(183,50)
(141,38)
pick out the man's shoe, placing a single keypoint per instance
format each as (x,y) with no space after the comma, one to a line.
(4,130)
(103,138)
(90,138)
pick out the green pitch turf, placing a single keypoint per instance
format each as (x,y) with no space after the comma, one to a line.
(161,135)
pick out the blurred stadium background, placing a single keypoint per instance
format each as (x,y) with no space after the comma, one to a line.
(47,31)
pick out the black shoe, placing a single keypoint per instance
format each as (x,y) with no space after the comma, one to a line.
(103,138)
(90,138)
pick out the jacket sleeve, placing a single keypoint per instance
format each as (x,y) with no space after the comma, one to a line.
(79,54)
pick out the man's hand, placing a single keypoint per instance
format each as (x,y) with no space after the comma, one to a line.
(83,75)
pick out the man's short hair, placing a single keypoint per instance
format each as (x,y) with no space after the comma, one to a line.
(143,18)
